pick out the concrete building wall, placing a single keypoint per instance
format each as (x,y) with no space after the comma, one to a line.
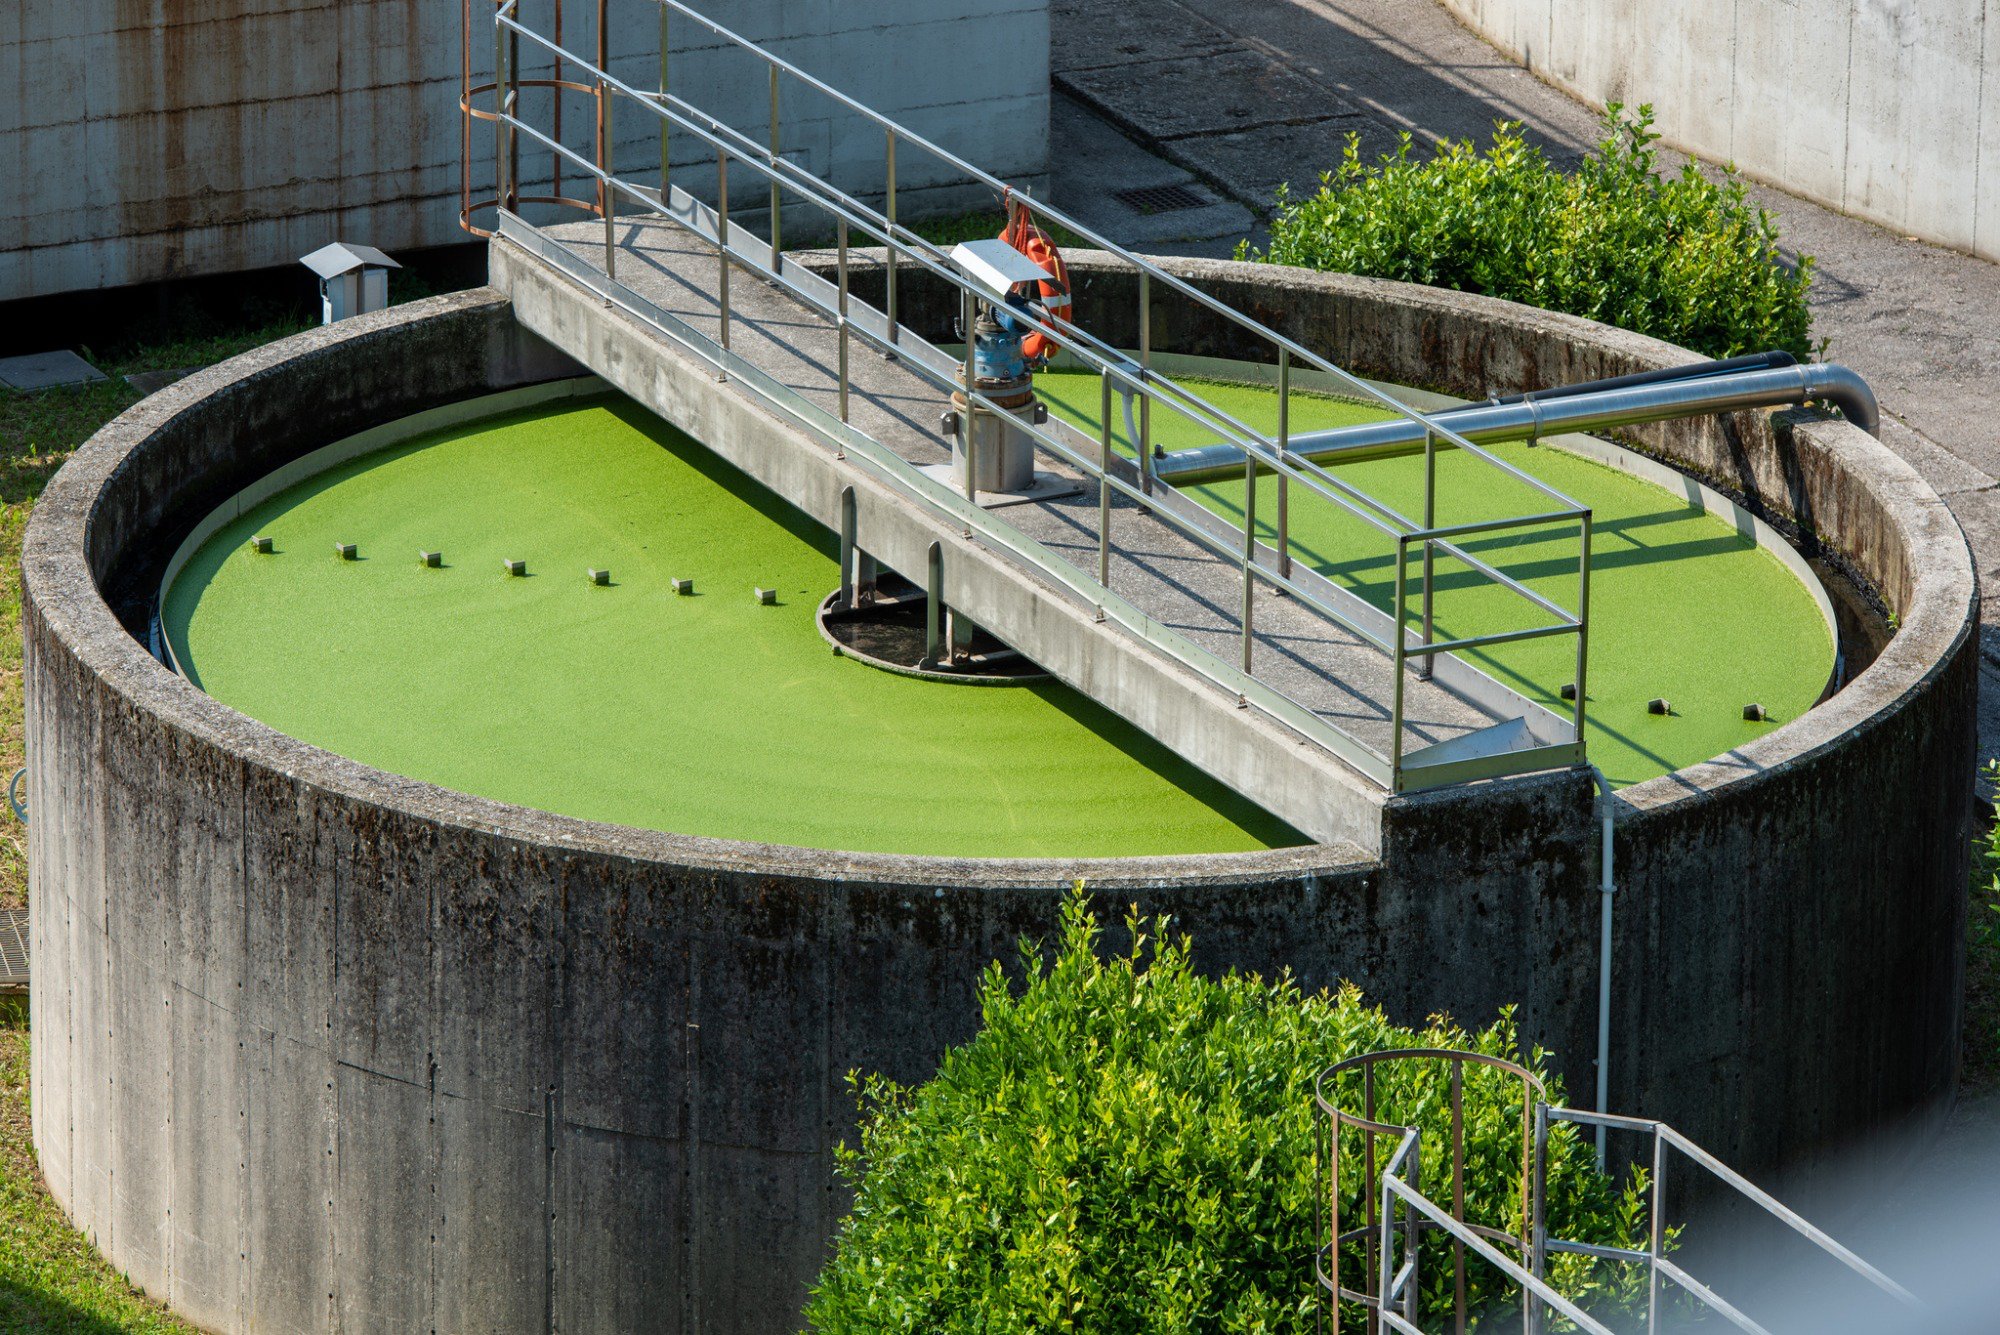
(1886,109)
(151,139)
(320,1048)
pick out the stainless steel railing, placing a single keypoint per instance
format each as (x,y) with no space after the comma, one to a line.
(1133,378)
(1398,1212)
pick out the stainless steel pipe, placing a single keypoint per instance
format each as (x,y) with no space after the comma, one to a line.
(1531,418)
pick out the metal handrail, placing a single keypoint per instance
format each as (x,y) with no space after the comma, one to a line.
(1666,1137)
(1262,453)
(894,469)
(1392,1288)
(1297,350)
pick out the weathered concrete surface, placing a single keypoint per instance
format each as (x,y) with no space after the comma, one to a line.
(1886,111)
(320,1048)
(145,141)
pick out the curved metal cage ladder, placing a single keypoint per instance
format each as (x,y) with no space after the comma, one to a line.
(1397,1214)
(1389,1290)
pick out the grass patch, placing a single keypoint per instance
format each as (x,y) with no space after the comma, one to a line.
(51,1281)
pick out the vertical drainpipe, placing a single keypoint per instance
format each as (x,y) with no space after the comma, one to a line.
(1606,889)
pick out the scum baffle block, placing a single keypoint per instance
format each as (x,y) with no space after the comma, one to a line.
(261,545)
(1754,713)
(516,567)
(1568,691)
(1659,705)
(344,550)
(600,576)
(431,559)
(684,587)
(767,597)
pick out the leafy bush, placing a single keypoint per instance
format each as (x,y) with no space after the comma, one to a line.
(1129,1146)
(1683,258)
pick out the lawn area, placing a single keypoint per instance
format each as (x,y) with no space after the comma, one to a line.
(51,1281)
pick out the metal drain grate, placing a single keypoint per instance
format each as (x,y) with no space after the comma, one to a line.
(1160,198)
(13,950)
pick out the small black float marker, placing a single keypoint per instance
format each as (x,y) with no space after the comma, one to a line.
(766,597)
(431,559)
(516,567)
(684,587)
(599,576)
(1659,705)
(261,545)
(1568,691)
(344,550)
(1754,713)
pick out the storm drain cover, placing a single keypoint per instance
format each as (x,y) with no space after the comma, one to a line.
(13,950)
(1161,198)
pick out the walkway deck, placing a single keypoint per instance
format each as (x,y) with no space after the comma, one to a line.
(1170,577)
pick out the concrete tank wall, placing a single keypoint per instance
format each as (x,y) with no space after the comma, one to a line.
(1886,109)
(143,140)
(320,1048)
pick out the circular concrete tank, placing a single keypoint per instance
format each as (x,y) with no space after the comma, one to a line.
(322,1048)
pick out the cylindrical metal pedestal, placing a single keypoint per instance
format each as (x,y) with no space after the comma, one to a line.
(1003,455)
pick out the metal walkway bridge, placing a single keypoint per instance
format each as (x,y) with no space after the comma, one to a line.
(1230,602)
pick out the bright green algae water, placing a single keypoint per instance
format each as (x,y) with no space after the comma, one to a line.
(706,715)
(1682,606)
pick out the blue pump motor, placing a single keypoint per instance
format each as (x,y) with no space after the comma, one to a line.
(996,346)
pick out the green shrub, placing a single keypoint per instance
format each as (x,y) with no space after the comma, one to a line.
(1683,258)
(1129,1146)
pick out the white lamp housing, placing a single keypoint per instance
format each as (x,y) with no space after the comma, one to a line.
(353,279)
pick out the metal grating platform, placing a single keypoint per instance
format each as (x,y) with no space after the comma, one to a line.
(13,950)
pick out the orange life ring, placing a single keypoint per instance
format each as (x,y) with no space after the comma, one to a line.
(1022,234)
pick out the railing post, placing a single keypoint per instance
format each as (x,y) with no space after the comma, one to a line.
(513,140)
(722,239)
(610,196)
(501,184)
(1284,448)
(889,212)
(1534,1225)
(1144,445)
(777,150)
(1249,552)
(1104,485)
(1654,1226)
(1458,1190)
(840,227)
(1582,623)
(1398,658)
(667,126)
(966,308)
(1430,521)
(1412,1234)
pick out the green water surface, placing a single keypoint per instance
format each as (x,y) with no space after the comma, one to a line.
(1682,606)
(705,715)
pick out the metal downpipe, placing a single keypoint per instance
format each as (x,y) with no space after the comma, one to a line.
(1575,408)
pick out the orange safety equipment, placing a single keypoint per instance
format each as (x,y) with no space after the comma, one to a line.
(1022,234)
